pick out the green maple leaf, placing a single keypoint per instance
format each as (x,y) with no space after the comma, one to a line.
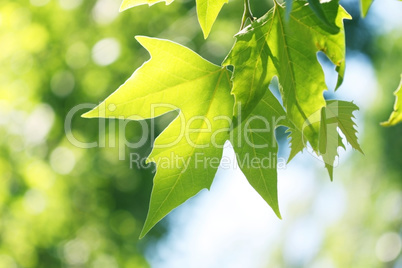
(177,78)
(273,46)
(396,115)
(256,148)
(207,10)
(364,6)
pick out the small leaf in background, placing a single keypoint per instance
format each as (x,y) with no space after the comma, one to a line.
(364,7)
(126,4)
(207,11)
(396,115)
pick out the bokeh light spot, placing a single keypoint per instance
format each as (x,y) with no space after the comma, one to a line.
(105,261)
(105,11)
(34,201)
(38,124)
(76,252)
(388,247)
(62,160)
(106,51)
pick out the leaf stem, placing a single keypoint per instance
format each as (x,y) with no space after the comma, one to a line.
(246,14)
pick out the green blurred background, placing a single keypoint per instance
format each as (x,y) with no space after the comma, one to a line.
(65,206)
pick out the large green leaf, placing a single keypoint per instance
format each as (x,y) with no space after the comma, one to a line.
(256,148)
(273,46)
(207,11)
(177,78)
(396,115)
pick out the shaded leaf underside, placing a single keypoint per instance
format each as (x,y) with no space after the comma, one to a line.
(335,115)
(254,140)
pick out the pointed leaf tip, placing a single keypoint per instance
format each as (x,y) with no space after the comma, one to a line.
(262,177)
(365,6)
(208,11)
(91,114)
(144,40)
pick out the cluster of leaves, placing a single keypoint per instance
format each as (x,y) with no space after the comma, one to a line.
(284,44)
